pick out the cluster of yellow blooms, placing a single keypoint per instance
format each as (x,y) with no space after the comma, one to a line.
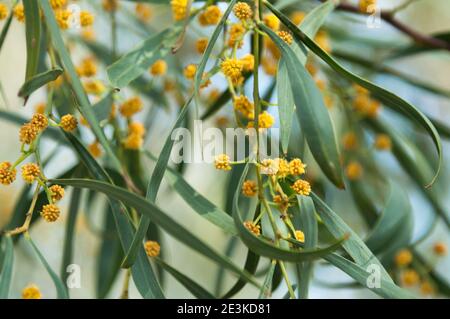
(62,14)
(31,172)
(410,277)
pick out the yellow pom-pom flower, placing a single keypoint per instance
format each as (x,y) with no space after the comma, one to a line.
(440,248)
(95,149)
(410,278)
(133,142)
(403,258)
(28,133)
(152,248)
(110,5)
(242,104)
(354,171)
(189,71)
(211,16)
(249,188)
(158,68)
(63,18)
(50,213)
(299,236)
(136,128)
(95,87)
(383,142)
(143,12)
(39,121)
(222,162)
(87,67)
(367,6)
(249,62)
(235,35)
(31,292)
(297,17)
(255,229)
(68,123)
(58,4)
(242,11)
(131,107)
(296,167)
(179,9)
(285,36)
(265,120)
(3,11)
(19,12)
(86,18)
(57,192)
(232,68)
(349,141)
(30,172)
(271,21)
(7,173)
(302,187)
(283,168)
(201,45)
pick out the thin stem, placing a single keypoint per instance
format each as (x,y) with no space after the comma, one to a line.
(126,285)
(388,16)
(26,225)
(286,278)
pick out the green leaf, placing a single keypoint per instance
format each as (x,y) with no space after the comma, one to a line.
(395,226)
(153,187)
(354,246)
(267,249)
(286,105)
(266,289)
(61,290)
(388,98)
(415,163)
(67,258)
(39,80)
(312,113)
(137,61)
(198,202)
(6,266)
(160,218)
(308,224)
(33,36)
(102,109)
(386,288)
(85,106)
(142,272)
(197,290)
(110,256)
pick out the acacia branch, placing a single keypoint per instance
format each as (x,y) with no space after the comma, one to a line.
(389,17)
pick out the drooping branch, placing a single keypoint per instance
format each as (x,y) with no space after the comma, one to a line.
(389,17)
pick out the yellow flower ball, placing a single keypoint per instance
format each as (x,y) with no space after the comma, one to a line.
(68,123)
(299,236)
(57,192)
(7,173)
(354,171)
(158,68)
(31,292)
(271,21)
(302,187)
(50,213)
(242,11)
(255,229)
(222,162)
(30,172)
(403,258)
(179,9)
(249,188)
(3,11)
(152,248)
(189,71)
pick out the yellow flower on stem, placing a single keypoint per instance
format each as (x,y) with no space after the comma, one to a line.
(242,11)
(211,16)
(158,68)
(403,258)
(179,9)
(50,213)
(7,173)
(249,188)
(302,187)
(30,172)
(31,292)
(57,192)
(222,162)
(152,248)
(131,107)
(68,123)
(255,229)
